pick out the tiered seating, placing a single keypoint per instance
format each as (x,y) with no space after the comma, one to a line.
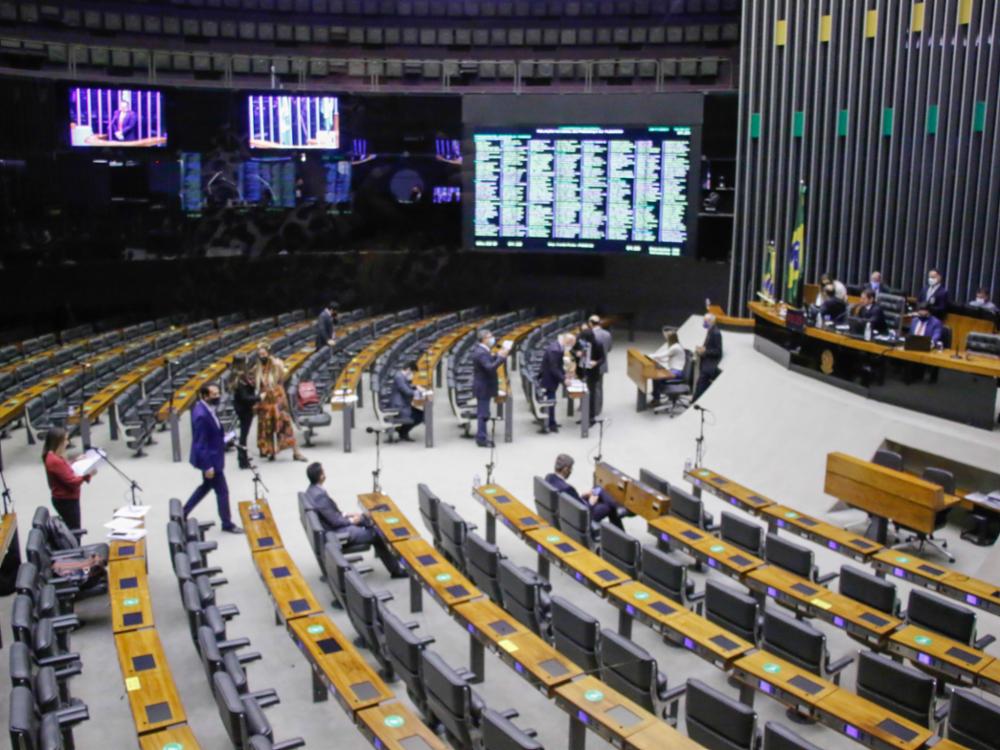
(790,682)
(589,702)
(337,667)
(240,709)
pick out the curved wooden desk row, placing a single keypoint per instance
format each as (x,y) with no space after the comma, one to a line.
(755,668)
(336,665)
(298,358)
(590,703)
(157,710)
(959,586)
(13,407)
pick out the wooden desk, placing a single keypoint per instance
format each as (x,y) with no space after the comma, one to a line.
(728,490)
(575,559)
(659,736)
(637,497)
(704,547)
(390,522)
(444,582)
(782,680)
(393,726)
(498,502)
(988,678)
(972,591)
(832,537)
(885,493)
(179,737)
(708,640)
(261,530)
(958,660)
(812,600)
(595,705)
(127,551)
(868,723)
(536,660)
(966,589)
(612,481)
(487,621)
(634,599)
(289,590)
(641,369)
(149,684)
(338,665)
(129,592)
(8,530)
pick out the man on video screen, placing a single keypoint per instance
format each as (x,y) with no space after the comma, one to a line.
(124,123)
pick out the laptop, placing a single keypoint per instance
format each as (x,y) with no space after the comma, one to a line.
(856,326)
(917,343)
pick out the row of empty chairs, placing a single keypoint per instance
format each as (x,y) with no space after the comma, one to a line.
(222,657)
(723,606)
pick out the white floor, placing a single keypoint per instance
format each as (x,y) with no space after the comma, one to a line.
(768,428)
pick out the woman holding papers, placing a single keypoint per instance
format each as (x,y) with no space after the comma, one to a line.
(64,483)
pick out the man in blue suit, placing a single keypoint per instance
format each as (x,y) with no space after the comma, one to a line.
(485,381)
(208,455)
(925,324)
(552,373)
(401,401)
(935,294)
(602,505)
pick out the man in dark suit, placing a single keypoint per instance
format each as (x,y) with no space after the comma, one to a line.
(324,325)
(709,356)
(208,455)
(552,373)
(871,311)
(925,324)
(602,505)
(590,359)
(401,401)
(356,527)
(935,294)
(124,123)
(832,308)
(485,381)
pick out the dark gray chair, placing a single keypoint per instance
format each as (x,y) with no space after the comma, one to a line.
(362,606)
(795,558)
(453,532)
(746,535)
(576,521)
(687,507)
(631,670)
(779,737)
(946,480)
(243,715)
(869,589)
(483,565)
(429,503)
(451,701)
(733,610)
(525,597)
(889,459)
(945,617)
(801,644)
(973,721)
(576,634)
(667,574)
(499,733)
(30,729)
(547,502)
(655,481)
(903,690)
(405,650)
(621,549)
(718,722)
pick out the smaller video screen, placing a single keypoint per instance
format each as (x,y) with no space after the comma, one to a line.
(293,122)
(116,117)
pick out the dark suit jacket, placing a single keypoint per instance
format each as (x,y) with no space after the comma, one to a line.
(208,446)
(597,355)
(709,361)
(485,381)
(329,514)
(130,128)
(934,328)
(833,308)
(939,301)
(874,314)
(401,399)
(324,328)
(551,374)
(562,485)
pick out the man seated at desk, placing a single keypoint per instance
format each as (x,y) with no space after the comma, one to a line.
(925,324)
(601,503)
(870,310)
(357,526)
(401,401)
(832,307)
(875,282)
(982,300)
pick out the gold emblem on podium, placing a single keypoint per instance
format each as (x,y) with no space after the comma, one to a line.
(826,362)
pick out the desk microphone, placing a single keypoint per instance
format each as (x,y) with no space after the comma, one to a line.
(700,408)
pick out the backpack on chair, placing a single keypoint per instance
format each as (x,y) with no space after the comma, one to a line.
(307,393)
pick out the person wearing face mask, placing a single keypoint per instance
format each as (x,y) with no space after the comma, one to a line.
(935,294)
(871,311)
(275,428)
(982,300)
(925,324)
(875,283)
(552,372)
(709,356)
(208,455)
(485,381)
(401,401)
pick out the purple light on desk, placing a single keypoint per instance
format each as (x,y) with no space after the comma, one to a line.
(629,609)
(924,659)
(518,667)
(899,573)
(732,501)
(852,732)
(470,628)
(832,545)
(688,643)
(838,621)
(712,563)
(578,576)
(972,599)
(765,687)
(781,524)
(539,548)
(664,537)
(378,744)
(584,719)
(772,592)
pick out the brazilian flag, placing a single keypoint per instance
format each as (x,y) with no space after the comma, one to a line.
(796,253)
(768,281)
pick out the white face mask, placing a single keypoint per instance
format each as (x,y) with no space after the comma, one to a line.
(932,280)
(490,341)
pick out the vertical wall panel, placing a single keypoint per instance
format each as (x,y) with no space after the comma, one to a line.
(889,110)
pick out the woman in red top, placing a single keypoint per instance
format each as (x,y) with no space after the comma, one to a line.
(63,482)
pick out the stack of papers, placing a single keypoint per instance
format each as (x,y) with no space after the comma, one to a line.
(137,512)
(87,463)
(127,535)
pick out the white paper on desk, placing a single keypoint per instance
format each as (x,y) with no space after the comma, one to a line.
(130,535)
(344,399)
(508,344)
(87,463)
(132,511)
(123,524)
(576,386)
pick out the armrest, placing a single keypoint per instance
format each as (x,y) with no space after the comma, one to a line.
(66,622)
(424,642)
(696,596)
(228,611)
(60,661)
(834,668)
(220,581)
(72,715)
(74,669)
(78,533)
(985,641)
(354,558)
(674,693)
(940,712)
(207,546)
(384,596)
(266,698)
(206,571)
(206,525)
(412,625)
(363,569)
(822,580)
(509,714)
(288,744)
(250,656)
(466,674)
(233,643)
(60,554)
(671,698)
(712,528)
